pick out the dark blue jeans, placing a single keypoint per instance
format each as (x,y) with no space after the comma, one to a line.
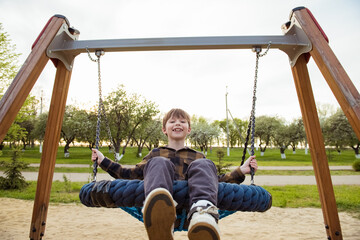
(201,176)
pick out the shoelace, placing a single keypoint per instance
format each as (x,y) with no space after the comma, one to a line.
(210,209)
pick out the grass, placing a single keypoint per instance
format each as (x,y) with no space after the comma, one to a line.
(293,196)
(60,192)
(296,196)
(82,155)
(259,172)
(290,196)
(303,173)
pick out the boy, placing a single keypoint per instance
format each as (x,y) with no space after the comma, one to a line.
(177,162)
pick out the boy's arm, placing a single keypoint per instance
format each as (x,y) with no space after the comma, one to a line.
(117,171)
(236,176)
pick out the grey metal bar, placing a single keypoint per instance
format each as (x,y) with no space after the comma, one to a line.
(66,47)
(178,43)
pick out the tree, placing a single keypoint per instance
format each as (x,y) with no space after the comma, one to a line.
(8,60)
(72,126)
(144,111)
(156,137)
(88,129)
(28,126)
(146,133)
(281,137)
(296,133)
(339,133)
(241,130)
(126,113)
(21,128)
(40,125)
(232,131)
(203,133)
(234,135)
(118,115)
(29,111)
(265,127)
(324,111)
(8,70)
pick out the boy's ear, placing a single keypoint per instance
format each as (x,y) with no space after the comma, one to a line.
(189,130)
(164,131)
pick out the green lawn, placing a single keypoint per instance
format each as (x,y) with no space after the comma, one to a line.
(290,196)
(82,155)
(347,197)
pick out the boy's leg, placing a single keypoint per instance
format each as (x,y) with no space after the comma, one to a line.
(203,190)
(159,207)
(202,181)
(159,172)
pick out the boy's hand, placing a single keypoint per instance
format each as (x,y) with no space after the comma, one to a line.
(251,161)
(96,154)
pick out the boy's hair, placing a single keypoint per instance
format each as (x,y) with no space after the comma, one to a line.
(177,113)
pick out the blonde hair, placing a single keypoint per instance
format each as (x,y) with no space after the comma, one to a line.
(177,113)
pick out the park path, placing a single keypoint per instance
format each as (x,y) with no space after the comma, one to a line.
(264,180)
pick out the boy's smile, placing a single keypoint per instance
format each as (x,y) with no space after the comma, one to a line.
(176,128)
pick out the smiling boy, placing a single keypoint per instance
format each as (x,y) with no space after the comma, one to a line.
(175,161)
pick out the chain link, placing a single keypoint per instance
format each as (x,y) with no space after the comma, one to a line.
(101,110)
(252,114)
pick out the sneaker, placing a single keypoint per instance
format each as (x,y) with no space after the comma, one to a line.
(203,223)
(159,214)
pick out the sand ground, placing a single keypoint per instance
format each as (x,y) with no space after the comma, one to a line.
(75,221)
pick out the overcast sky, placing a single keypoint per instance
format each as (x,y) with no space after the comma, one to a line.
(193,80)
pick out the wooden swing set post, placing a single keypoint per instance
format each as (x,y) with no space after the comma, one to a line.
(13,100)
(348,98)
(317,148)
(48,157)
(25,79)
(332,70)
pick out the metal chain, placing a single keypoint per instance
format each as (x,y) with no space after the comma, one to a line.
(101,111)
(252,114)
(252,118)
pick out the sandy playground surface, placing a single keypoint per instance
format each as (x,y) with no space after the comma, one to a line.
(75,221)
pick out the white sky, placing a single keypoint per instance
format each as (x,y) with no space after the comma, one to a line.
(193,80)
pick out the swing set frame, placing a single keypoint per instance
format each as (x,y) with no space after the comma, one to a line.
(303,37)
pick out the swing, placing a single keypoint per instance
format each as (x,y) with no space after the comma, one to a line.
(129,194)
(303,37)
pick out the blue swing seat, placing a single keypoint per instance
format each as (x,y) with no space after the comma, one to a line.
(129,196)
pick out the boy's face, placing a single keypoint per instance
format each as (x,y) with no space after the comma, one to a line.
(176,128)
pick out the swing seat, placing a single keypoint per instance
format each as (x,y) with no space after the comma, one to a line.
(129,196)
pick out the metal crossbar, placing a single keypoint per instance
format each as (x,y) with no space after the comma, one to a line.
(65,47)
(180,43)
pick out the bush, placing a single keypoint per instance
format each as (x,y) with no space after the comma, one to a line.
(14,179)
(221,168)
(356,165)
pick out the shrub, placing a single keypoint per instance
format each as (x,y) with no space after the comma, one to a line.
(356,165)
(67,184)
(14,179)
(221,168)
